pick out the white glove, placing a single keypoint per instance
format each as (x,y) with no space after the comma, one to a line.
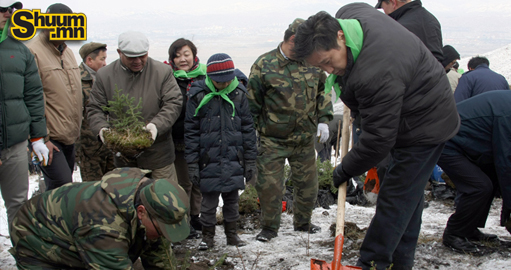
(101,136)
(152,128)
(41,151)
(323,133)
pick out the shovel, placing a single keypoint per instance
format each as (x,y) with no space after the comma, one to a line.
(341,199)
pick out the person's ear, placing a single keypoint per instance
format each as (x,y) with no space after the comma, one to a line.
(292,39)
(340,37)
(141,211)
(119,52)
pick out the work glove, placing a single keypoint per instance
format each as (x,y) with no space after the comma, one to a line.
(250,169)
(101,136)
(323,133)
(193,173)
(505,215)
(41,151)
(340,176)
(152,128)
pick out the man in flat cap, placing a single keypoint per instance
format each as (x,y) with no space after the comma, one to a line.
(60,76)
(141,77)
(94,158)
(289,106)
(101,225)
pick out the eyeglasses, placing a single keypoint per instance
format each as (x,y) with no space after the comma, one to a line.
(154,225)
(5,9)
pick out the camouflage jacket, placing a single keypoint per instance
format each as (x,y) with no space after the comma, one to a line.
(88,143)
(91,225)
(287,98)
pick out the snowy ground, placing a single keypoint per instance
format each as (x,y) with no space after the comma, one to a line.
(293,250)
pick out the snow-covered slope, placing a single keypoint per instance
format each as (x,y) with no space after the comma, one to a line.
(500,61)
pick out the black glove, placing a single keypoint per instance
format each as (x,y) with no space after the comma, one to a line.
(193,173)
(340,176)
(250,169)
(505,215)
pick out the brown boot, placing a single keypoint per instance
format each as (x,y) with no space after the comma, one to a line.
(208,235)
(232,235)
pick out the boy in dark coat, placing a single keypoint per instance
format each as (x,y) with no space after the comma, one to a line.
(220,145)
(391,79)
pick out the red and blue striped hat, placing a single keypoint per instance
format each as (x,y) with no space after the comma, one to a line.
(220,68)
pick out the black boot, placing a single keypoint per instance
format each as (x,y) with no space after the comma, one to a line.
(232,235)
(195,223)
(459,244)
(193,234)
(208,235)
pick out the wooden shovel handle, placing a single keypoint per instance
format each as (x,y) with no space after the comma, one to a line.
(341,193)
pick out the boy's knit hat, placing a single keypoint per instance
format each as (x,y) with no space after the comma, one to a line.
(220,68)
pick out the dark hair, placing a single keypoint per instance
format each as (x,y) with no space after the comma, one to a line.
(476,61)
(177,45)
(288,34)
(456,65)
(319,32)
(94,54)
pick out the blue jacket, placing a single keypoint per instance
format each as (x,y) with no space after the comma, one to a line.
(485,135)
(481,79)
(218,141)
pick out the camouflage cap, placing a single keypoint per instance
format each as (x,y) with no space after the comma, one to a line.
(294,25)
(168,203)
(87,48)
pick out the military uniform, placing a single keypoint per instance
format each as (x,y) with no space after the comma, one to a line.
(93,157)
(92,225)
(287,101)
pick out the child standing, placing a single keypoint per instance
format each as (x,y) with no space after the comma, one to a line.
(220,145)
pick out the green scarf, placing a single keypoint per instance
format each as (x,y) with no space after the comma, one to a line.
(354,39)
(223,93)
(199,70)
(5,31)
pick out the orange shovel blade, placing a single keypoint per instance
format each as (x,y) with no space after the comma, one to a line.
(336,263)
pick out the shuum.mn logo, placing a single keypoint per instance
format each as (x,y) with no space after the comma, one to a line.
(62,26)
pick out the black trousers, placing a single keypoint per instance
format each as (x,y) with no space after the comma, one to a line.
(60,172)
(394,230)
(476,186)
(230,209)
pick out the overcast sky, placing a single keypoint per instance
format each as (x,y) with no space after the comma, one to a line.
(246,29)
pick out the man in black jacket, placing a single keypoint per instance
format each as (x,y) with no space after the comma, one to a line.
(417,20)
(391,79)
(477,161)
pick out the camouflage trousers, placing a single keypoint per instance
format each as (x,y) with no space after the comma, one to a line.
(94,160)
(270,183)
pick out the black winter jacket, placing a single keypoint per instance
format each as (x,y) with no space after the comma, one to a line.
(399,89)
(484,135)
(178,129)
(219,142)
(423,24)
